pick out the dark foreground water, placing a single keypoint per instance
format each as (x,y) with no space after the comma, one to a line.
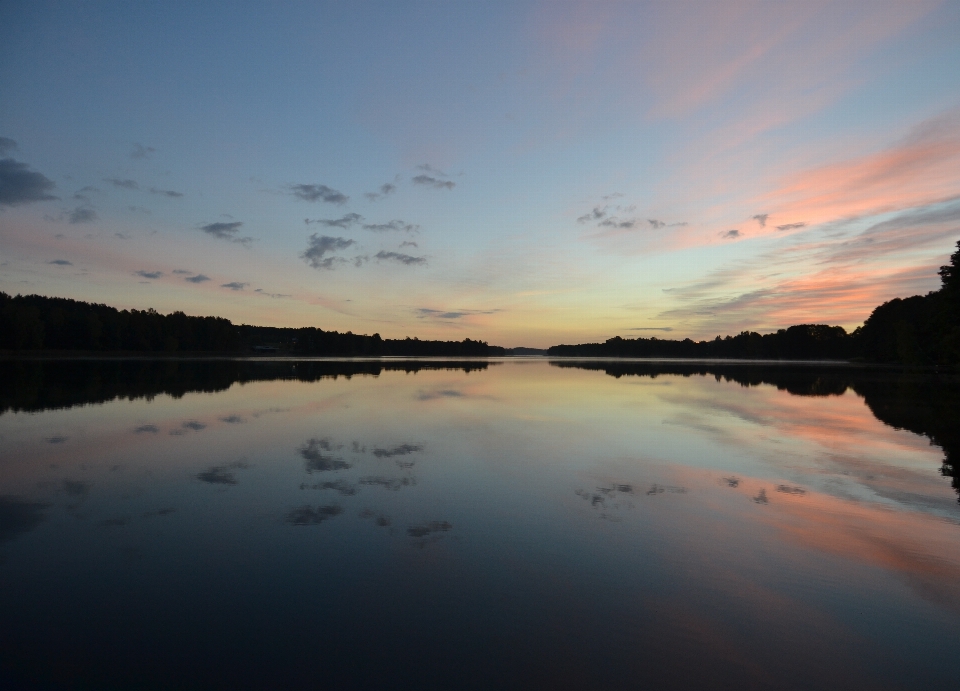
(475,525)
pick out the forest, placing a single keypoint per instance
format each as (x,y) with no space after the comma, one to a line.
(37,323)
(918,330)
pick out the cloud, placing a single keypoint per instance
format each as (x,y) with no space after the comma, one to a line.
(402,450)
(199,278)
(395,224)
(761,219)
(83,215)
(149,274)
(60,262)
(425,312)
(729,234)
(272,295)
(141,151)
(312,193)
(344,222)
(307,515)
(166,193)
(438,314)
(651,328)
(314,458)
(610,197)
(385,191)
(20,185)
(182,271)
(400,258)
(837,279)
(81,196)
(234,285)
(427,528)
(436,183)
(408,243)
(922,168)
(340,486)
(227,231)
(318,246)
(218,475)
(221,475)
(594,215)
(394,484)
(443,393)
(7,145)
(655,224)
(614,222)
(123,184)
(791,226)
(152,429)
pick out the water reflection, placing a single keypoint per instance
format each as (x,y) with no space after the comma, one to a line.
(238,524)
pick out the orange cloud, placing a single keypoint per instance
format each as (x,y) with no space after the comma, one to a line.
(922,169)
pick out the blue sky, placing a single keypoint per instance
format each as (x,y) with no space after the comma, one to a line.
(524,173)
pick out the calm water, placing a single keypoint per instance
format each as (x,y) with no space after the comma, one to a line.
(445,525)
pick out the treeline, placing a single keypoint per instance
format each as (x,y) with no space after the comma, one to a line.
(924,403)
(920,330)
(31,385)
(37,323)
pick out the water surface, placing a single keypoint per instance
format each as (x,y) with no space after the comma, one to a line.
(458,525)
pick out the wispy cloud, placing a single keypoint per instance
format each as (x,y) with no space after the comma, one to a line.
(7,145)
(60,262)
(149,274)
(594,215)
(140,151)
(227,231)
(313,193)
(922,168)
(234,285)
(123,184)
(20,185)
(446,315)
(346,221)
(400,258)
(761,219)
(614,222)
(836,277)
(83,215)
(385,191)
(791,226)
(394,225)
(430,181)
(730,234)
(166,193)
(320,249)
(276,296)
(199,278)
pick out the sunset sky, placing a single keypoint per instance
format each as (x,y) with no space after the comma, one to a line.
(525,173)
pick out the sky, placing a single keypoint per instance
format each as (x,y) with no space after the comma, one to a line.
(524,173)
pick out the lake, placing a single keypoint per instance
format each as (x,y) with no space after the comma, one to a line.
(516,523)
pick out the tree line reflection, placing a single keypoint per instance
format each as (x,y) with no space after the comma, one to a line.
(926,403)
(923,402)
(36,385)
